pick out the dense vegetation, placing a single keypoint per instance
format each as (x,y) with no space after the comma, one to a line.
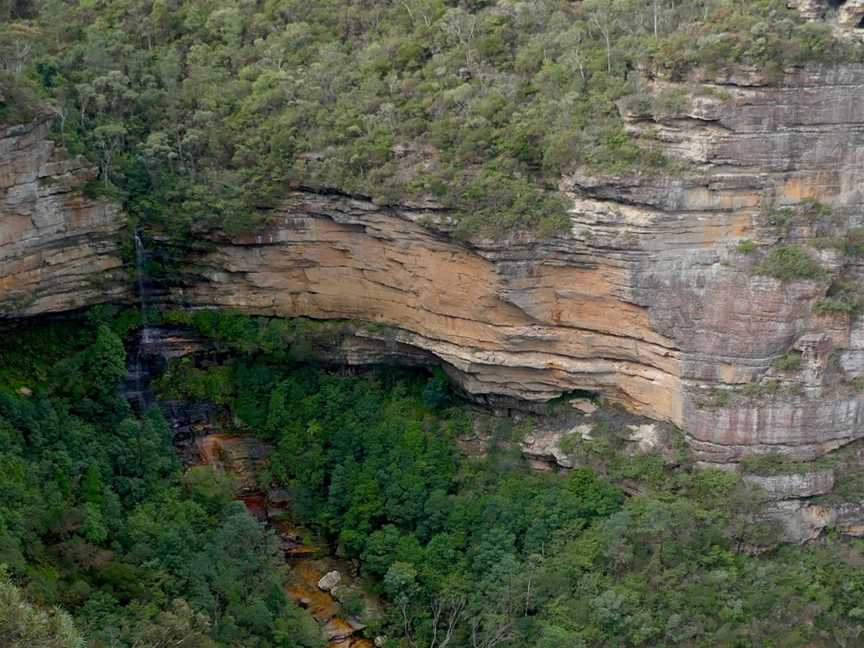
(206,112)
(94,515)
(498,555)
(211,109)
(96,518)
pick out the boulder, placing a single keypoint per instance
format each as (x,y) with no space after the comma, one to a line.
(329,580)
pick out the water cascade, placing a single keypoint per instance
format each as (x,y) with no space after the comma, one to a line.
(140,259)
(149,353)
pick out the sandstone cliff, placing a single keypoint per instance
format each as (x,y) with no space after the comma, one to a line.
(59,249)
(655,299)
(846,16)
(648,300)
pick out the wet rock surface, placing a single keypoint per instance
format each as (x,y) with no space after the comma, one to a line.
(312,575)
(148,354)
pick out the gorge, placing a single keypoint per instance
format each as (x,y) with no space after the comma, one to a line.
(647,302)
(545,313)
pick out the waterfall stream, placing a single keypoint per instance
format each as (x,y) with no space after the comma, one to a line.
(140,395)
(140,274)
(198,435)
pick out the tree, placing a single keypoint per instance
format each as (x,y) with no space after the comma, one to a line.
(214,489)
(179,625)
(91,488)
(23,625)
(604,17)
(461,27)
(109,138)
(18,41)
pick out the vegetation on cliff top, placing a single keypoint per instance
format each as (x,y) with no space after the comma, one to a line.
(211,109)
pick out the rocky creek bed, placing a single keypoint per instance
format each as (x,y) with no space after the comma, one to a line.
(315,579)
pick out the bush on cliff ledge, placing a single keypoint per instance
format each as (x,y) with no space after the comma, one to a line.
(788,263)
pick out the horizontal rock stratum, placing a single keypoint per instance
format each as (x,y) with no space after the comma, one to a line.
(651,300)
(59,249)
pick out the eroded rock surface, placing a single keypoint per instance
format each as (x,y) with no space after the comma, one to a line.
(652,300)
(527,320)
(846,16)
(59,250)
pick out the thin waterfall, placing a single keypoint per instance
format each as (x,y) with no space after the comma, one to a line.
(140,259)
(153,347)
(144,339)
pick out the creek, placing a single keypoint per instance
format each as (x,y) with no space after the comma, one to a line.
(310,564)
(200,436)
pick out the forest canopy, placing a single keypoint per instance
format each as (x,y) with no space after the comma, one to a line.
(210,109)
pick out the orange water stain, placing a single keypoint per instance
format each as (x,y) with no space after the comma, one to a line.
(209,447)
(302,588)
(256,504)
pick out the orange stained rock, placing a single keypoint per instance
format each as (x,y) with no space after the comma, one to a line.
(302,587)
(809,186)
(543,327)
(59,250)
(256,504)
(303,576)
(338,629)
(293,535)
(210,447)
(351,642)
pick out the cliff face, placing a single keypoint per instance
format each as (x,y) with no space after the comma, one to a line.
(59,250)
(526,320)
(845,16)
(659,298)
(649,300)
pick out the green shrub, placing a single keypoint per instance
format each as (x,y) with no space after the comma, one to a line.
(716,399)
(809,211)
(19,99)
(825,242)
(670,101)
(24,625)
(781,217)
(789,263)
(760,389)
(815,210)
(353,604)
(855,241)
(789,362)
(773,464)
(746,247)
(829,306)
